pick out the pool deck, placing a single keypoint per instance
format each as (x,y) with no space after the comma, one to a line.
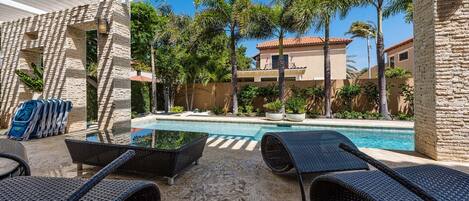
(261,120)
(229,170)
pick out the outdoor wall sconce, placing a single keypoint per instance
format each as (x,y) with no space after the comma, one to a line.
(103,25)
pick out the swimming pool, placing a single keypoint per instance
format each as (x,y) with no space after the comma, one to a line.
(383,138)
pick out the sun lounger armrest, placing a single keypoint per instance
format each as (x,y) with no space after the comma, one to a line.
(389,172)
(98,177)
(20,161)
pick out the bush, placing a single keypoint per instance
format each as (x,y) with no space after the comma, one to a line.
(295,105)
(270,93)
(249,109)
(247,94)
(317,93)
(408,93)
(274,106)
(177,109)
(397,72)
(348,93)
(217,110)
(372,94)
(405,117)
(140,97)
(357,115)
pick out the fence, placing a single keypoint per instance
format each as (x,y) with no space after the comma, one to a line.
(213,95)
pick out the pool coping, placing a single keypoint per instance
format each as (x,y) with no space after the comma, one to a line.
(382,124)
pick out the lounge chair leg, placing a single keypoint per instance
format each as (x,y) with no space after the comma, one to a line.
(196,162)
(170,180)
(79,167)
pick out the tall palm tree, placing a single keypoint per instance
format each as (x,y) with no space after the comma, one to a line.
(220,16)
(352,70)
(367,31)
(380,5)
(400,6)
(321,13)
(277,20)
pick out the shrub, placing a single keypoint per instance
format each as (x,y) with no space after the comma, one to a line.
(357,115)
(217,110)
(397,72)
(372,93)
(316,93)
(177,109)
(348,93)
(405,117)
(295,105)
(408,93)
(274,106)
(248,93)
(270,93)
(297,92)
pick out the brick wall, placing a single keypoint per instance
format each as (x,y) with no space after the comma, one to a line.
(59,37)
(441,78)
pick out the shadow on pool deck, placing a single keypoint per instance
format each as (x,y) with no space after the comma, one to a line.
(227,171)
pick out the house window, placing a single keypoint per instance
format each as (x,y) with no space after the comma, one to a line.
(275,61)
(403,56)
(392,62)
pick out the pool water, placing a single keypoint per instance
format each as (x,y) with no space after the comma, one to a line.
(383,138)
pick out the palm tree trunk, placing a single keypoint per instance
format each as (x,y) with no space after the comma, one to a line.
(327,71)
(383,102)
(192,96)
(186,96)
(166,99)
(281,68)
(234,71)
(368,48)
(154,93)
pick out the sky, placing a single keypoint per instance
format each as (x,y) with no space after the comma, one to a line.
(395,30)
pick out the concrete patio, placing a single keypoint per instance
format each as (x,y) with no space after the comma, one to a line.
(227,171)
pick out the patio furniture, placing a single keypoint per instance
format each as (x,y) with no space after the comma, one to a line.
(14,159)
(308,152)
(48,188)
(423,182)
(162,153)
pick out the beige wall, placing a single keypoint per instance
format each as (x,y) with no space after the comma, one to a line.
(406,64)
(61,40)
(312,58)
(219,95)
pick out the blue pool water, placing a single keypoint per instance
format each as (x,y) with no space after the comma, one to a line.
(393,139)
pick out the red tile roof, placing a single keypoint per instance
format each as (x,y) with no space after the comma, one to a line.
(140,78)
(410,40)
(302,42)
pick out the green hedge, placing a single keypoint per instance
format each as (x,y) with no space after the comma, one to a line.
(140,97)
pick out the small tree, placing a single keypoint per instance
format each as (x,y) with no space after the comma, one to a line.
(247,94)
(372,94)
(348,93)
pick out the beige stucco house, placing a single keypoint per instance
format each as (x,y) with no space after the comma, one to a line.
(399,55)
(304,59)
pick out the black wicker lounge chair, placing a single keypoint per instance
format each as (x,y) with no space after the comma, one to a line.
(423,182)
(48,188)
(308,152)
(15,153)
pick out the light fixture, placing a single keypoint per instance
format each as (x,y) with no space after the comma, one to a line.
(103,25)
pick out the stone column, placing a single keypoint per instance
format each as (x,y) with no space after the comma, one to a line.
(442,78)
(113,70)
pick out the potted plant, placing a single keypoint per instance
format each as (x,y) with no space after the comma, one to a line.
(274,110)
(295,108)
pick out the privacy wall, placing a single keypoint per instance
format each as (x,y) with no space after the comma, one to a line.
(60,39)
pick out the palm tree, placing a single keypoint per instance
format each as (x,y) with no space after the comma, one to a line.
(352,70)
(367,31)
(220,16)
(383,102)
(321,13)
(277,20)
(400,6)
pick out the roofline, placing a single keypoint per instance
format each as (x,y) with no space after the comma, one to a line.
(402,43)
(346,42)
(23,7)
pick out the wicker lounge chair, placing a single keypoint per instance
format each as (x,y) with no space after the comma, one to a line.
(308,152)
(48,188)
(423,182)
(16,153)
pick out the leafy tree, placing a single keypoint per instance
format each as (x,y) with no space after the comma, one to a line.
(321,13)
(145,21)
(277,21)
(220,16)
(400,6)
(360,29)
(397,72)
(347,93)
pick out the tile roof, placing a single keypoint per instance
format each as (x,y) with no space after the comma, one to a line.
(302,42)
(410,40)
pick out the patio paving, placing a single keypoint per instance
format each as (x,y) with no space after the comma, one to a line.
(229,170)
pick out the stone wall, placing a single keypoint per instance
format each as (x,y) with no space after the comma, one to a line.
(60,39)
(441,78)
